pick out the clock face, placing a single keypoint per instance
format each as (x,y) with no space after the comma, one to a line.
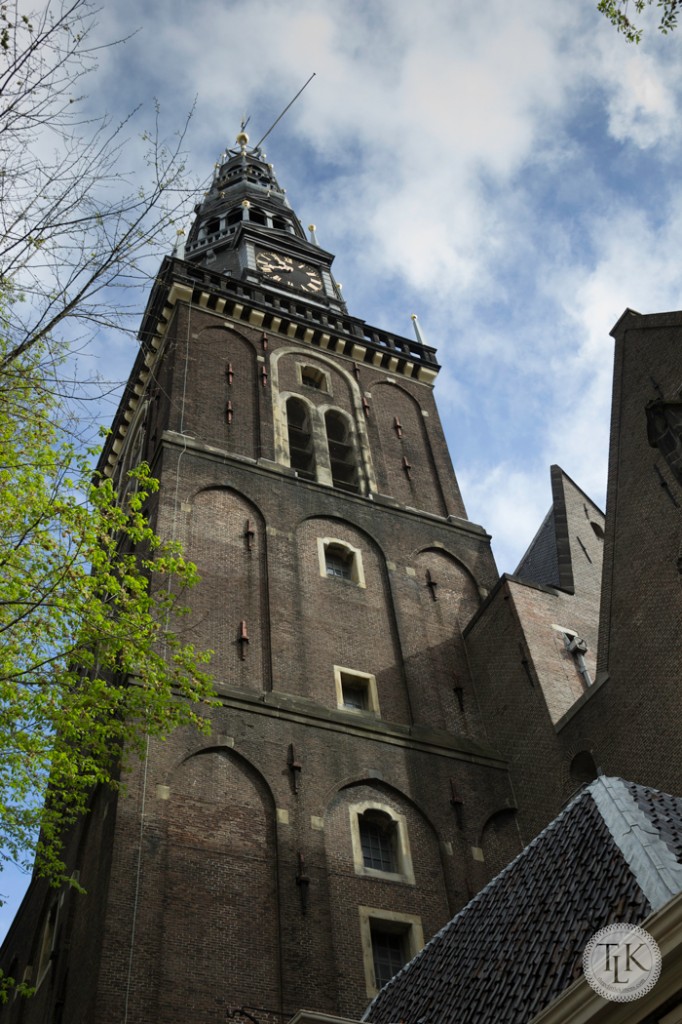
(289,272)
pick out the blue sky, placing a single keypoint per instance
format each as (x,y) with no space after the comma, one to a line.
(506,171)
(509,172)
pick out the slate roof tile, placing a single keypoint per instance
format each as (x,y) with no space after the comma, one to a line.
(519,942)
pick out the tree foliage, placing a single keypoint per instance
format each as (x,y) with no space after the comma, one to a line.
(618,14)
(92,655)
(91,652)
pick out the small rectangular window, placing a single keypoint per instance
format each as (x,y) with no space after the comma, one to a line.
(313,377)
(389,941)
(341,561)
(354,696)
(356,691)
(388,953)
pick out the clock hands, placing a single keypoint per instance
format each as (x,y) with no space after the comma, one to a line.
(298,274)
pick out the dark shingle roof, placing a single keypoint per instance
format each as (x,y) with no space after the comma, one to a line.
(540,563)
(519,942)
(664,812)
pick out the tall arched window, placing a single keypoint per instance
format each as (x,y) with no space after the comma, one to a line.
(301,449)
(342,458)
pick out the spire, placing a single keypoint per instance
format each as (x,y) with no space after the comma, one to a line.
(244,190)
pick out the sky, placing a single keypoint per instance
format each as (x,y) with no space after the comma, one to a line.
(507,171)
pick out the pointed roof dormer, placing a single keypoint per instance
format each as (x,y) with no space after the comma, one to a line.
(566,552)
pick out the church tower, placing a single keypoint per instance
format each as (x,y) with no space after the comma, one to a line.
(347,802)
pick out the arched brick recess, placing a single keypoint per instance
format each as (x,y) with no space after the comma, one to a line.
(441,595)
(498,836)
(232,566)
(220,885)
(579,765)
(427,899)
(210,385)
(583,769)
(405,467)
(363,638)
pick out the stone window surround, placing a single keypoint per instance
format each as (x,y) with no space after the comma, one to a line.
(355,418)
(320,440)
(403,853)
(364,679)
(303,369)
(357,570)
(408,925)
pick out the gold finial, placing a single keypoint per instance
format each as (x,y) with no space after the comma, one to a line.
(242,139)
(246,204)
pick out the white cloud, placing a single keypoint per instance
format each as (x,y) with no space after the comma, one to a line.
(641,84)
(480,165)
(516,501)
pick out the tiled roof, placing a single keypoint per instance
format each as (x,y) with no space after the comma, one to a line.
(540,563)
(664,812)
(519,942)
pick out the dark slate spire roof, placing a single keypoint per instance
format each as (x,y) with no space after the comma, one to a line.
(244,213)
(244,189)
(614,854)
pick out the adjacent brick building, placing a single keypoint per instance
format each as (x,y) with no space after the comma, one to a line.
(396,722)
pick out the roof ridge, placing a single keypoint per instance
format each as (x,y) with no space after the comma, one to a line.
(653,864)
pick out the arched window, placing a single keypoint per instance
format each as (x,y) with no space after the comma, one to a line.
(583,768)
(381,847)
(338,561)
(301,449)
(342,458)
(257,216)
(234,216)
(279,223)
(213,226)
(378,839)
(341,561)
